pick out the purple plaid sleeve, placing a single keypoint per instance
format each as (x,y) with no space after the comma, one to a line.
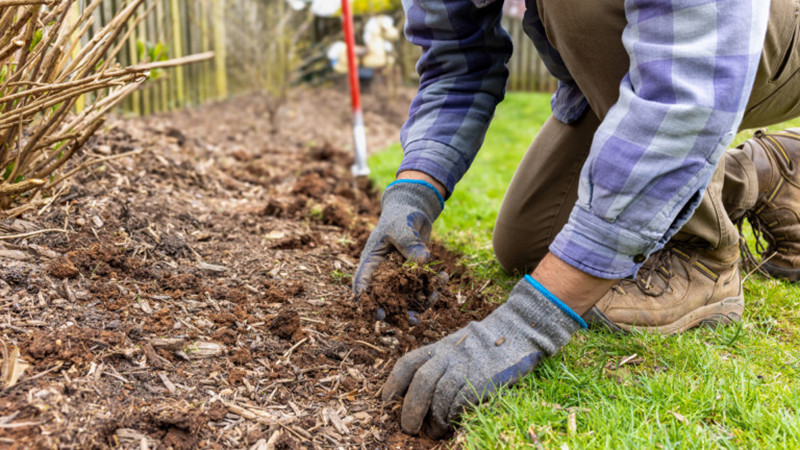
(463,76)
(693,64)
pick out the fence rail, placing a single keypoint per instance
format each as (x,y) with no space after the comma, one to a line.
(256,42)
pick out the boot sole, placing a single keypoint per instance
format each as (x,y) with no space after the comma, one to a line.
(721,313)
(792,275)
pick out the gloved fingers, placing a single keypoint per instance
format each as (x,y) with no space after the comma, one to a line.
(438,423)
(403,372)
(471,395)
(421,224)
(433,297)
(433,429)
(413,241)
(372,256)
(465,398)
(411,247)
(419,397)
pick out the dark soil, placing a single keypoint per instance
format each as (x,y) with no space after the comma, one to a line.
(200,296)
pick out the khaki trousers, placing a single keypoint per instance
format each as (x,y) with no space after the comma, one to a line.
(588,35)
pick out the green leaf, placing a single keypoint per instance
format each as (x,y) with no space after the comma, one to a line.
(37,37)
(140,49)
(159,52)
(9,169)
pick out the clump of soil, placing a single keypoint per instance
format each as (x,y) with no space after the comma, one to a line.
(63,268)
(286,324)
(337,213)
(400,291)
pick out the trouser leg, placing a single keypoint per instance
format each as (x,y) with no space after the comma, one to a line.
(539,198)
(588,36)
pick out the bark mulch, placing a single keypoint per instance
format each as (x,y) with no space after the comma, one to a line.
(200,295)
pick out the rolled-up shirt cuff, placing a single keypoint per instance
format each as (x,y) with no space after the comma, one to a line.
(601,248)
(440,161)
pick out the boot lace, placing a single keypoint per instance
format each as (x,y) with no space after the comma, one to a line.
(761,234)
(658,266)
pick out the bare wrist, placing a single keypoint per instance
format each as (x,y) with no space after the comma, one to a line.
(577,289)
(417,175)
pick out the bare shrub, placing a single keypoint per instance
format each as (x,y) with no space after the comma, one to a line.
(49,61)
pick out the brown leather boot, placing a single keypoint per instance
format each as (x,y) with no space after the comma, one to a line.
(776,215)
(678,288)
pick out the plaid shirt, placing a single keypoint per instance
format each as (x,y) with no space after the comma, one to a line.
(693,64)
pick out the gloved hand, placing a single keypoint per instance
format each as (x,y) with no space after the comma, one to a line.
(439,380)
(409,208)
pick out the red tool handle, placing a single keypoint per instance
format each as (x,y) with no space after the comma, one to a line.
(352,69)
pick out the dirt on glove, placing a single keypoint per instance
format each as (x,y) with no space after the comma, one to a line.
(418,298)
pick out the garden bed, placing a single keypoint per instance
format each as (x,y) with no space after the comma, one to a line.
(198,293)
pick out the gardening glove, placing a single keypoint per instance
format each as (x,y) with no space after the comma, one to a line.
(409,208)
(439,380)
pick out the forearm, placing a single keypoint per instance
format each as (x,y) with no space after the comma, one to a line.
(462,79)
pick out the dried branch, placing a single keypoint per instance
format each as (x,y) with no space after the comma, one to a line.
(51,56)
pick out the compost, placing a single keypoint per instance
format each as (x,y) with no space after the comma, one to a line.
(198,293)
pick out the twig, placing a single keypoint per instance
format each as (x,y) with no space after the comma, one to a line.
(295,433)
(33,233)
(91,163)
(301,342)
(20,424)
(377,349)
(4,3)
(758,267)
(306,319)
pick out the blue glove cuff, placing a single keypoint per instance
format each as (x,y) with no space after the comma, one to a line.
(422,183)
(561,305)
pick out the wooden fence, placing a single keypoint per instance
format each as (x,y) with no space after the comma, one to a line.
(173,29)
(527,72)
(256,45)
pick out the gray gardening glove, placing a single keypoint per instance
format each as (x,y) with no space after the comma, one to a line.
(439,380)
(409,208)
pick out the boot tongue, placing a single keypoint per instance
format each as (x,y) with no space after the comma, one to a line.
(763,164)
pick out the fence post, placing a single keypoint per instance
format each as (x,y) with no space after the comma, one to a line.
(220,70)
(205,87)
(74,16)
(162,37)
(147,88)
(177,43)
(133,58)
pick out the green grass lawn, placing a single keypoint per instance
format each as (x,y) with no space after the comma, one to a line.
(735,386)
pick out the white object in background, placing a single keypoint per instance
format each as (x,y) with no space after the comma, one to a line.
(379,32)
(297,5)
(326,8)
(337,55)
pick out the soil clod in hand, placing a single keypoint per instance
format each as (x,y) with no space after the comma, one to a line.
(399,291)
